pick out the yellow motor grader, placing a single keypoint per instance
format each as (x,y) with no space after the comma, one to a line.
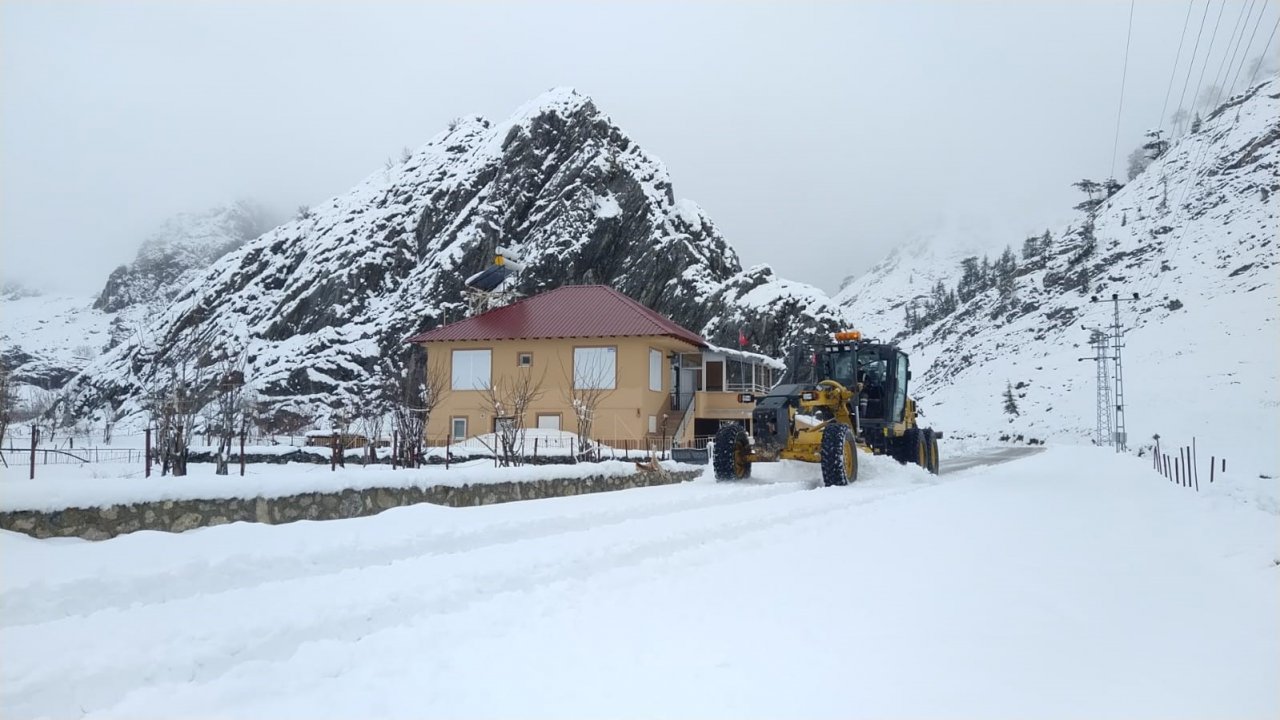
(859,405)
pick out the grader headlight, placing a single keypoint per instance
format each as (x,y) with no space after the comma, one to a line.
(809,396)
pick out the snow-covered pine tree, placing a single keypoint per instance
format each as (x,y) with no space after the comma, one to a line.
(1010,403)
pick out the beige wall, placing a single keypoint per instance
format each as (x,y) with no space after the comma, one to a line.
(623,414)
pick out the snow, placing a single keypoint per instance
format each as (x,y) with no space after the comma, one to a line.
(1186,370)
(1072,583)
(57,487)
(607,207)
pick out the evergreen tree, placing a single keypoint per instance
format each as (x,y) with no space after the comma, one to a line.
(1046,249)
(1155,145)
(1030,250)
(1010,403)
(970,282)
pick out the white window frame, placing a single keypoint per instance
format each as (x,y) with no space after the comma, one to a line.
(595,368)
(655,370)
(538,421)
(465,366)
(521,355)
(453,428)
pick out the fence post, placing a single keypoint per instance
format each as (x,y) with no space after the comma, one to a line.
(147,452)
(1195,463)
(243,431)
(535,448)
(573,458)
(1213,461)
(1177,469)
(35,434)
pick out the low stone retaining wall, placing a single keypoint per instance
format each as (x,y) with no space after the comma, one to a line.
(100,523)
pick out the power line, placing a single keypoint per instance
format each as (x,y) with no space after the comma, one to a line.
(1124,74)
(1200,163)
(1234,42)
(1208,54)
(1174,73)
(1244,59)
(1265,48)
(1191,65)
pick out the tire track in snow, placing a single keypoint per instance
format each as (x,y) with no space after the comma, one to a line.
(173,646)
(40,602)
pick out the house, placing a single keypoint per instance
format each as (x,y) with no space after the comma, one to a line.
(586,354)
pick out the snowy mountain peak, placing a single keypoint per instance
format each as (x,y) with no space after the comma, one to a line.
(320,303)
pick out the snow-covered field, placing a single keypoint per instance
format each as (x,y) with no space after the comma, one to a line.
(1071,583)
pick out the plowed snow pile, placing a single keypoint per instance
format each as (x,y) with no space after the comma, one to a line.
(1073,583)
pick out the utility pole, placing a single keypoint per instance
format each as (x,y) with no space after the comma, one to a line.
(1117,335)
(1098,338)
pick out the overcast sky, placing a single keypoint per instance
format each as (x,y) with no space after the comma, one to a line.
(816,136)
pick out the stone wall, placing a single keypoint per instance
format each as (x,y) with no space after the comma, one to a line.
(98,523)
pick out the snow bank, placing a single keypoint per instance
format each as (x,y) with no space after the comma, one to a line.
(60,486)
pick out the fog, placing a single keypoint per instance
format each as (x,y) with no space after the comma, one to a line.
(817,136)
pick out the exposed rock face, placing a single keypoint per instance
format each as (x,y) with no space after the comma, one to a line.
(318,302)
(185,244)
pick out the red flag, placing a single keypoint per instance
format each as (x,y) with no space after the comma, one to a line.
(742,338)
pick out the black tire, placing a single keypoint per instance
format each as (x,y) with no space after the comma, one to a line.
(904,449)
(931,442)
(839,455)
(729,458)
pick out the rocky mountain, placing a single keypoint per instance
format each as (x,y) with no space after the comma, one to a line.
(316,304)
(45,340)
(1195,235)
(185,245)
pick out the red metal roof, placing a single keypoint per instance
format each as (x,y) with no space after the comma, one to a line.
(568,311)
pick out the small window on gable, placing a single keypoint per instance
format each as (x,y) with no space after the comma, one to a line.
(524,359)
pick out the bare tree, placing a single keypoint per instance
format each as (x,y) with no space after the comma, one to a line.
(414,393)
(8,402)
(177,396)
(372,421)
(591,379)
(509,403)
(228,414)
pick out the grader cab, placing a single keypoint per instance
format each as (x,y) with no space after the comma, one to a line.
(854,400)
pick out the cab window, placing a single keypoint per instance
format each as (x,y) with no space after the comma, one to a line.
(900,387)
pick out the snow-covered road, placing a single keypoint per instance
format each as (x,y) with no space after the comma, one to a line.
(1069,583)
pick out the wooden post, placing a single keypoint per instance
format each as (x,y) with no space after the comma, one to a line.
(395,449)
(1195,463)
(1213,462)
(1224,465)
(35,435)
(333,455)
(572,457)
(535,448)
(147,451)
(447,444)
(243,431)
(1177,469)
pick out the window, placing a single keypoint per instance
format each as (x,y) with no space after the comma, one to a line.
(655,370)
(715,375)
(524,359)
(548,422)
(900,389)
(471,369)
(595,368)
(459,430)
(653,424)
